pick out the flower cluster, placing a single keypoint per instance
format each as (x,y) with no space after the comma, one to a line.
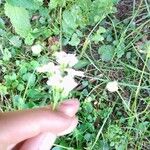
(61,76)
(112,86)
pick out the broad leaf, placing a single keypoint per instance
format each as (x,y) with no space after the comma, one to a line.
(29,4)
(55,3)
(81,64)
(69,23)
(106,52)
(19,18)
(74,40)
(2,23)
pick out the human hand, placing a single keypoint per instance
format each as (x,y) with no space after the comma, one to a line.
(37,129)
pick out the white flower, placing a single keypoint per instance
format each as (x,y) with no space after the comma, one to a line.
(50,67)
(36,49)
(55,81)
(112,86)
(66,59)
(68,84)
(72,73)
(57,77)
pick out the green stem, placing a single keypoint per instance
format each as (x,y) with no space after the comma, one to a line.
(139,85)
(101,129)
(55,99)
(60,36)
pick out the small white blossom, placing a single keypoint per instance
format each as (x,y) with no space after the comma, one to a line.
(50,67)
(55,81)
(66,59)
(68,84)
(61,76)
(112,86)
(71,72)
(36,49)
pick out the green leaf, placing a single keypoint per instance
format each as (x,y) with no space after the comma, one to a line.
(30,78)
(106,52)
(3,89)
(6,54)
(55,3)
(74,40)
(35,94)
(16,41)
(97,38)
(18,102)
(20,87)
(120,50)
(19,18)
(101,30)
(29,4)
(2,23)
(81,64)
(69,22)
(100,9)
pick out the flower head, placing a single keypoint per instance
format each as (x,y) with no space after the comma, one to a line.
(50,67)
(71,72)
(61,76)
(68,84)
(55,81)
(65,84)
(66,59)
(36,49)
(112,86)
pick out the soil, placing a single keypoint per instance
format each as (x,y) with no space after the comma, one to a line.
(124,8)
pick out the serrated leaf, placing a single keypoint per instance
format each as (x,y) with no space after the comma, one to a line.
(15,41)
(106,52)
(30,78)
(19,18)
(29,4)
(74,40)
(18,102)
(97,38)
(69,24)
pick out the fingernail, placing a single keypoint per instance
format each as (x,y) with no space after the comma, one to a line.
(47,141)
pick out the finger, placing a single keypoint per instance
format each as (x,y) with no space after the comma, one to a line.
(69,107)
(70,129)
(43,141)
(20,125)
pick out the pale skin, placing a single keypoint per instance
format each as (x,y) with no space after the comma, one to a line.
(37,129)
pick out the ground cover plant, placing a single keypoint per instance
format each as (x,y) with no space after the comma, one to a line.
(106,46)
